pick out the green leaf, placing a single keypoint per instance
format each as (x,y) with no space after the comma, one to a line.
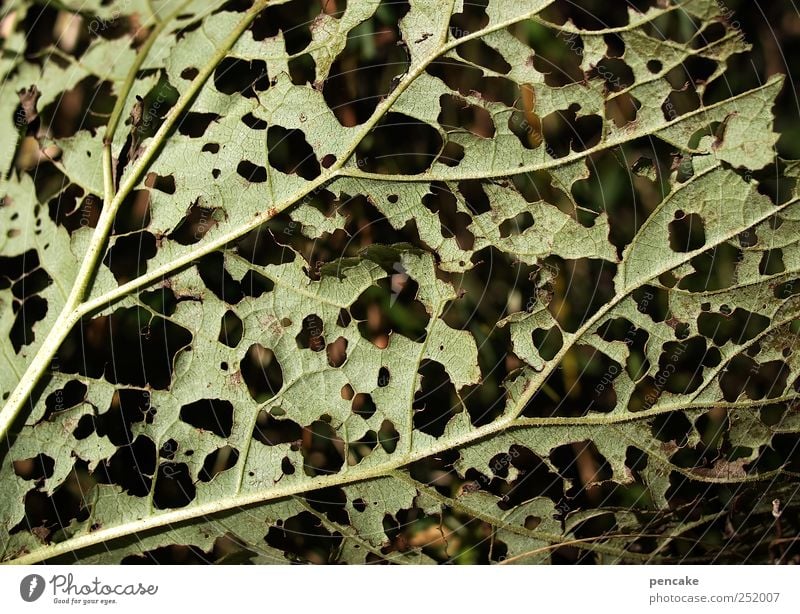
(244,318)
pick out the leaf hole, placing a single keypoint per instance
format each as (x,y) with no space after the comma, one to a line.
(214,415)
(261,372)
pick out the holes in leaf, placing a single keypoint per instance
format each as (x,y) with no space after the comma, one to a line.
(583,465)
(383,377)
(452,154)
(347,392)
(255,284)
(737,327)
(357,81)
(332,502)
(195,224)
(600,16)
(698,69)
(253,122)
(216,278)
(227,549)
(379,152)
(233,75)
(621,329)
(46,514)
(548,342)
(388,436)
(86,106)
(293,19)
(13,269)
(101,346)
(303,69)
(303,538)
(174,486)
(134,213)
(781,453)
(671,427)
(454,223)
(687,233)
(272,431)
(757,381)
(534,479)
(161,183)
(587,386)
(337,352)
(73,393)
(127,257)
(772,262)
(787,289)
(231,329)
(72,210)
(131,467)
(322,449)
(680,366)
(391,306)
(310,335)
(168,449)
(526,124)
(615,72)
(290,152)
(37,468)
(361,448)
(478,52)
(254,173)
(679,103)
(343,320)
(262,247)
(515,226)
(363,405)
(32,310)
(622,109)
(194,125)
(218,461)
(564,131)
(587,286)
(635,459)
(653,301)
(615,45)
(557,57)
(458,113)
(128,406)
(214,415)
(472,18)
(437,401)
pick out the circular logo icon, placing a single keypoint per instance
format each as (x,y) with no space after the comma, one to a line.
(31,587)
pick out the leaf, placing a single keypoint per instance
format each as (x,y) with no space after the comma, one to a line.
(253,313)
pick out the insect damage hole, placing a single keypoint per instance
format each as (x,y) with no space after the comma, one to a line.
(261,372)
